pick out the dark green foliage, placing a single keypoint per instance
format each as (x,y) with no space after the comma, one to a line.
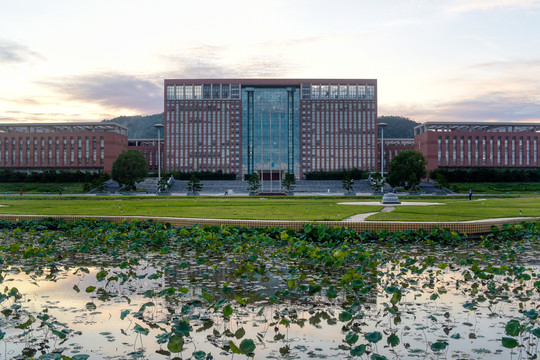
(129,168)
(48,176)
(202,175)
(377,182)
(194,184)
(140,127)
(254,183)
(354,173)
(288,182)
(398,127)
(440,181)
(487,174)
(348,183)
(407,169)
(97,183)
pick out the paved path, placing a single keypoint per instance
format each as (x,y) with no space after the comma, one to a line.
(386,208)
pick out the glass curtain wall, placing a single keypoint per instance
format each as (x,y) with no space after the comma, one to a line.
(271,145)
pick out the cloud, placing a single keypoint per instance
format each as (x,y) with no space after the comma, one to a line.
(112,91)
(206,62)
(473,5)
(13,53)
(488,107)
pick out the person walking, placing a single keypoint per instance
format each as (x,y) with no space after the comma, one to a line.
(470,194)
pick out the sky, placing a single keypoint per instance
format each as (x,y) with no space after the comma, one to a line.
(448,60)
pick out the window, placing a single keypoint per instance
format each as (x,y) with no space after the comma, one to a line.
(216,91)
(235,91)
(94,150)
(315,92)
(324,92)
(188,92)
(306,91)
(483,150)
(361,92)
(352,92)
(197,92)
(370,92)
(207,91)
(225,91)
(179,92)
(342,91)
(334,92)
(79,150)
(71,150)
(170,92)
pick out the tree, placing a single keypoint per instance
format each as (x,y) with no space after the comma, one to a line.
(129,168)
(194,185)
(254,183)
(163,184)
(440,181)
(288,182)
(377,182)
(407,169)
(348,183)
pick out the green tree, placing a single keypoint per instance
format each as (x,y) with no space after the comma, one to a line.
(129,168)
(407,169)
(377,182)
(163,184)
(194,185)
(288,182)
(348,183)
(440,181)
(254,183)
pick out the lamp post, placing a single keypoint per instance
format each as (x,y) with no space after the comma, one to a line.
(382,126)
(158,127)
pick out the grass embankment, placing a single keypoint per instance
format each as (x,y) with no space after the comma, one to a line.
(189,207)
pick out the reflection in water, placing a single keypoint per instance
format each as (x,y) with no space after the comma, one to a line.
(438,302)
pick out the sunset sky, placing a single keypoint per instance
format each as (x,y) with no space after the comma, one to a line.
(449,60)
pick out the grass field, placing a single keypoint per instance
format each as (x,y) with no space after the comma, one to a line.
(191,207)
(294,208)
(463,210)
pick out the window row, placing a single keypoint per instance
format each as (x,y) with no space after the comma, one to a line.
(342,92)
(513,151)
(51,151)
(203,92)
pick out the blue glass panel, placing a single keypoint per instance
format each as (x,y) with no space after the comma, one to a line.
(270,129)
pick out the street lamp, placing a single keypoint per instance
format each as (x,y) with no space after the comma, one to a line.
(158,127)
(382,126)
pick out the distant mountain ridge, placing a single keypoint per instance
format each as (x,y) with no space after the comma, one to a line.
(399,127)
(142,127)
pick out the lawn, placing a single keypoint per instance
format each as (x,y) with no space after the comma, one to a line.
(260,208)
(296,208)
(464,210)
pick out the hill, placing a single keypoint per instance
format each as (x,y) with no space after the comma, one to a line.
(140,127)
(398,127)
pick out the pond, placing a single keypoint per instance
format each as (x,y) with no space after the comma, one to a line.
(96,290)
